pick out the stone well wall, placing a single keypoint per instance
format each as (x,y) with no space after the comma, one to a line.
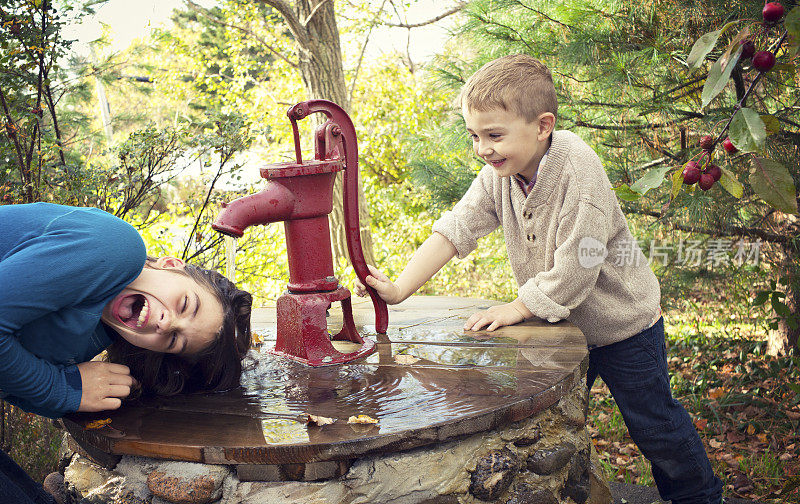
(544,459)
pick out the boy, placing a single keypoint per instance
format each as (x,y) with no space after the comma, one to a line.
(573,256)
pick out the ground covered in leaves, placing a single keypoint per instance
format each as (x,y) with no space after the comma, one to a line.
(745,405)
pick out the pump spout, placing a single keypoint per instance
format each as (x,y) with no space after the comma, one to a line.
(274,203)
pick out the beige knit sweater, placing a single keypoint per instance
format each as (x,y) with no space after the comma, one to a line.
(569,245)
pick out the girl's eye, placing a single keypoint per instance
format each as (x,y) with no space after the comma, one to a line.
(494,135)
(185,303)
(172,341)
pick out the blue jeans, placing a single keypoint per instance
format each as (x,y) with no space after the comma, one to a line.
(17,487)
(635,371)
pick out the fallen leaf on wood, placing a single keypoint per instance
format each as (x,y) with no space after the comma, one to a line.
(319,420)
(405,359)
(362,419)
(97,424)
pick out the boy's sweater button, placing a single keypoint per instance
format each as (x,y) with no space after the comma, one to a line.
(526,214)
(531,237)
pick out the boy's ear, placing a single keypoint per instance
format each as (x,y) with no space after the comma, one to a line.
(168,262)
(547,122)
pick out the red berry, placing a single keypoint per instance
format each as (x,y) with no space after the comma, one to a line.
(714,171)
(772,12)
(748,49)
(729,147)
(706,142)
(706,181)
(763,61)
(691,173)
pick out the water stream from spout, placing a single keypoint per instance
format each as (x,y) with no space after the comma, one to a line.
(230,258)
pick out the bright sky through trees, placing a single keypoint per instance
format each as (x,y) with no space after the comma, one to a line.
(128,20)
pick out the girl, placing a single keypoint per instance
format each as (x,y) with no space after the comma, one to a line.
(74,281)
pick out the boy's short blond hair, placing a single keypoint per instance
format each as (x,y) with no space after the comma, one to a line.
(516,83)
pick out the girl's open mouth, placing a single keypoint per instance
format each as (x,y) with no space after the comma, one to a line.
(498,163)
(133,310)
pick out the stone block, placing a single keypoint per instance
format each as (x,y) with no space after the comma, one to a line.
(289,492)
(528,494)
(187,482)
(577,485)
(493,474)
(548,461)
(91,481)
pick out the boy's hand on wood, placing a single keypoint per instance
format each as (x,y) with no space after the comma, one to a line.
(104,385)
(387,290)
(498,316)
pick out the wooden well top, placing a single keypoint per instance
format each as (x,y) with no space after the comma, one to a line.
(428,381)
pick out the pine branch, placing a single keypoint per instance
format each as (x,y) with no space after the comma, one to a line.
(722,231)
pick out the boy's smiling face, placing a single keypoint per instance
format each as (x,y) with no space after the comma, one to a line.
(507,141)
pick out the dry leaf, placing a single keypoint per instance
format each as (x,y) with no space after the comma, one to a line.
(716,393)
(715,444)
(319,420)
(405,359)
(793,415)
(751,429)
(701,423)
(97,424)
(362,419)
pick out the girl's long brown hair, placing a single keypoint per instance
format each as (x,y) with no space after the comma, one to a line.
(217,367)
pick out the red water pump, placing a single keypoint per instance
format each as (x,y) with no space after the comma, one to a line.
(301,195)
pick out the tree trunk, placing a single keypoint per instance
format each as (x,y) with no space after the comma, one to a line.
(313,25)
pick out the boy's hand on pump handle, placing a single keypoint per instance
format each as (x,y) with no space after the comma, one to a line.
(387,290)
(104,385)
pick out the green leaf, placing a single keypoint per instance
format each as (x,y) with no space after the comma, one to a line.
(650,180)
(718,77)
(748,132)
(703,46)
(731,184)
(772,124)
(677,183)
(761,298)
(772,182)
(792,22)
(624,192)
(780,308)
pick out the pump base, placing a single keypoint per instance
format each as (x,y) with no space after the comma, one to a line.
(303,330)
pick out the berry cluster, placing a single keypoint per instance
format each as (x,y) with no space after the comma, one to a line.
(762,61)
(705,177)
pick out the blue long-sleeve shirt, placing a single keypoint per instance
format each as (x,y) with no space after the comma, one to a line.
(59,267)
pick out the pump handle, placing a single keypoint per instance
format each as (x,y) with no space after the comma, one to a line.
(337,115)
